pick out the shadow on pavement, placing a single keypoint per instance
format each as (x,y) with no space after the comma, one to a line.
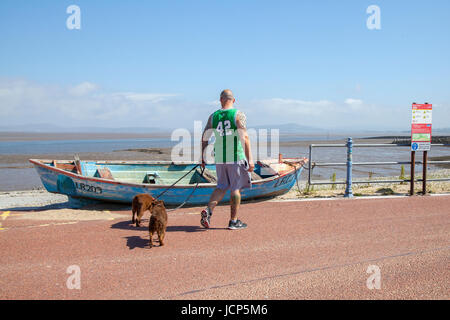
(137,242)
(185,229)
(40,208)
(68,205)
(126,225)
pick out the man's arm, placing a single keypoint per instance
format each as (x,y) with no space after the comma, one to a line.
(241,123)
(205,138)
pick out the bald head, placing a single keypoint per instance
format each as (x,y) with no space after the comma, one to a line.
(226,98)
(226,94)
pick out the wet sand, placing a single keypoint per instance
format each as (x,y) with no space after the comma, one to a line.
(21,160)
(443,158)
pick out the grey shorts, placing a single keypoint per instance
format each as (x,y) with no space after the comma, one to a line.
(233,176)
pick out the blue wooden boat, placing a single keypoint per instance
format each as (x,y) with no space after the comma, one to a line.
(120,181)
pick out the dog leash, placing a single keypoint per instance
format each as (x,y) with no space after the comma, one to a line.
(187,199)
(173,184)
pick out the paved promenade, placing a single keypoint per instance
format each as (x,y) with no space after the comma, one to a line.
(291,250)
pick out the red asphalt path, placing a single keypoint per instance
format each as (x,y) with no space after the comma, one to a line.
(291,250)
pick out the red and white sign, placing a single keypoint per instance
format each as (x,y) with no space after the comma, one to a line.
(421,127)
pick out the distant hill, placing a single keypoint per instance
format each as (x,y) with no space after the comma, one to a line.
(441,130)
(289,128)
(54,128)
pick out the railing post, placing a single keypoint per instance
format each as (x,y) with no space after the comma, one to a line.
(310,166)
(413,170)
(348,189)
(424,172)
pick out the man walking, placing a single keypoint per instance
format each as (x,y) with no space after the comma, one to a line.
(232,155)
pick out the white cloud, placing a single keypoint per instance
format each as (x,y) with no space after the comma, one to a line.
(150,97)
(215,103)
(23,101)
(354,104)
(83,89)
(87,104)
(350,114)
(297,107)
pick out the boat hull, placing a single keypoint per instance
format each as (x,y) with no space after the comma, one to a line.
(77,186)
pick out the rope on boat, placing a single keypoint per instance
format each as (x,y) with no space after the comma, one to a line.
(292,163)
(303,163)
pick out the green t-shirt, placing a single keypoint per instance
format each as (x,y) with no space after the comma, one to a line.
(228,146)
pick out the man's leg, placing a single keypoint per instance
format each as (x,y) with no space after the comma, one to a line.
(235,199)
(223,184)
(239,178)
(214,200)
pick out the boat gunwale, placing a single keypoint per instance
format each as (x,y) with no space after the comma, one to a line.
(40,162)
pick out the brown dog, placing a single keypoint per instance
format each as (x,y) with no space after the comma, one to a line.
(158,222)
(141,203)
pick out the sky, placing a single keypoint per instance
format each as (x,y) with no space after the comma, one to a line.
(164,63)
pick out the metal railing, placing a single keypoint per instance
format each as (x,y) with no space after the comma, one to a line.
(349,164)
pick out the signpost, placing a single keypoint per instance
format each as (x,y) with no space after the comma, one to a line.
(420,138)
(421,127)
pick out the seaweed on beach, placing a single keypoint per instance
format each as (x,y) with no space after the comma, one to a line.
(149,150)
